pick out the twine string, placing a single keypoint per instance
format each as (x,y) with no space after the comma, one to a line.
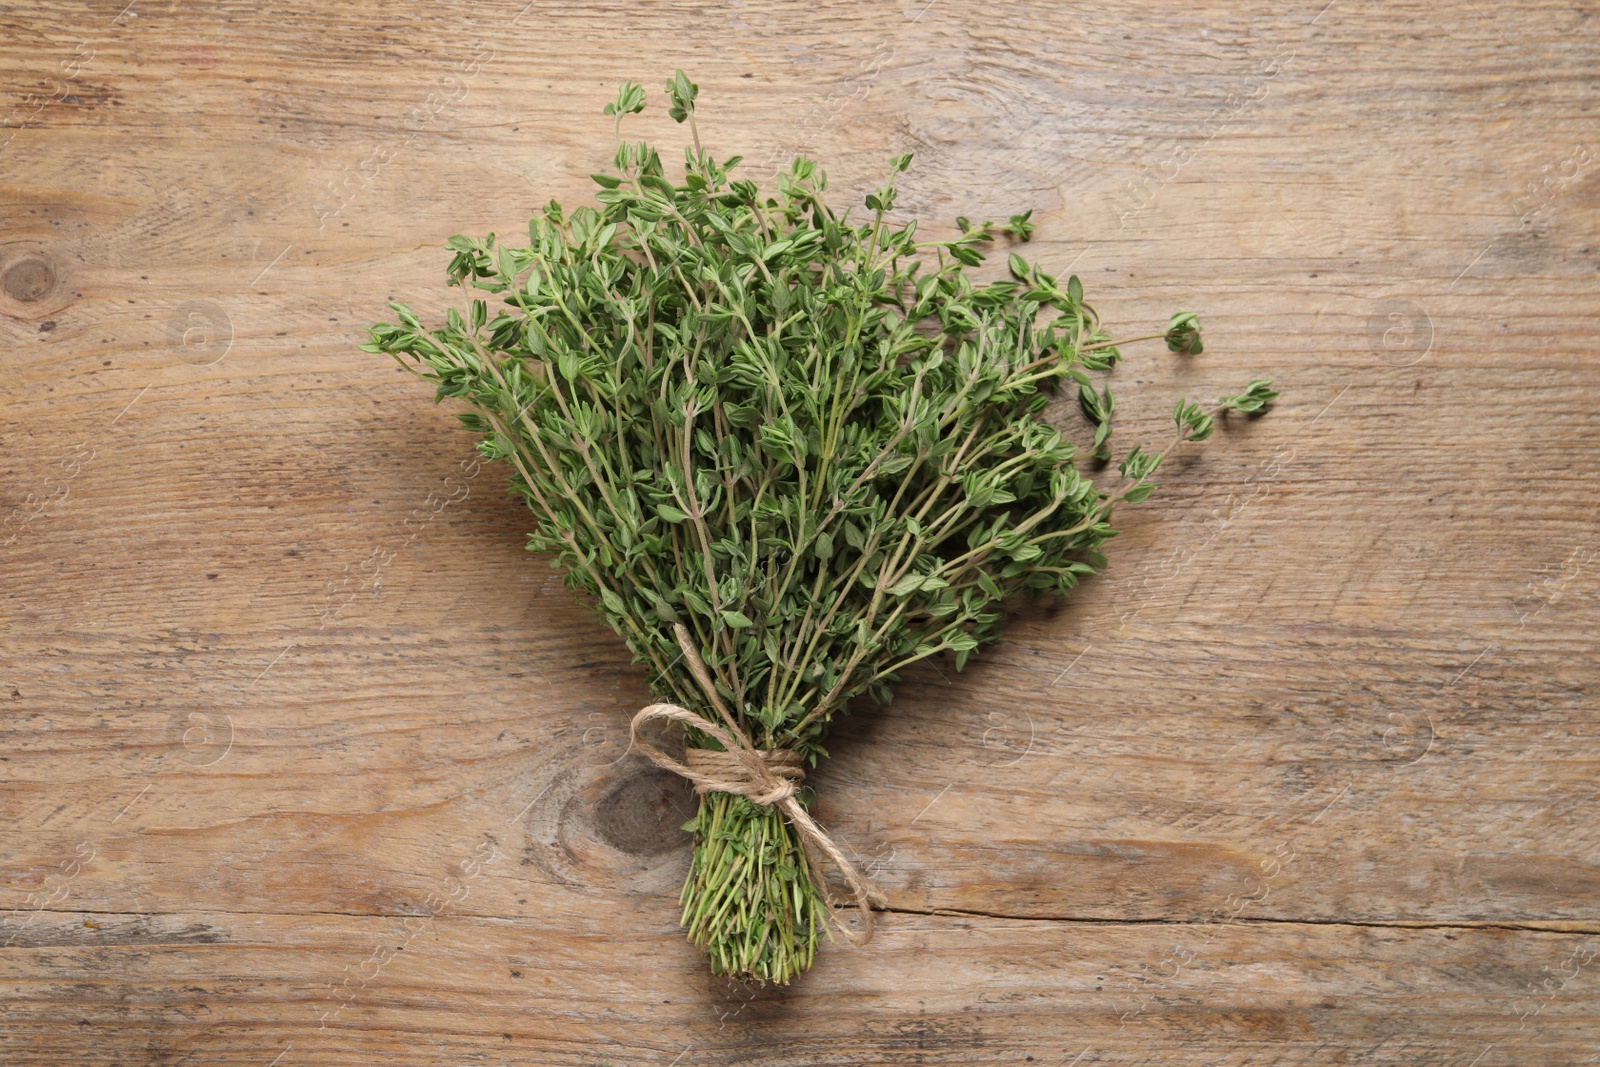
(769,777)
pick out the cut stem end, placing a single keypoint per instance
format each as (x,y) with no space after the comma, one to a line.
(748,902)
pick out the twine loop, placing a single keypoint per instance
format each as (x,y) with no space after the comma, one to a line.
(769,777)
(728,772)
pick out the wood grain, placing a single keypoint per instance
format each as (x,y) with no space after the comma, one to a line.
(306,761)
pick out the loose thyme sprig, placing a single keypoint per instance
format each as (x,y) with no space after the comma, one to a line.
(816,443)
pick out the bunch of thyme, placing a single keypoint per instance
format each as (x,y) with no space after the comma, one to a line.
(815,444)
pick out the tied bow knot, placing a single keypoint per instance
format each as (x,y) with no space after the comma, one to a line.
(771,778)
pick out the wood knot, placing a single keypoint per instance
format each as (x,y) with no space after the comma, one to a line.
(29,280)
(642,813)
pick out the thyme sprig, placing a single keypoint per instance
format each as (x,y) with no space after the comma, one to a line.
(815,442)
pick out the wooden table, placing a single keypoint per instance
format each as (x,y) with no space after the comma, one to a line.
(307,762)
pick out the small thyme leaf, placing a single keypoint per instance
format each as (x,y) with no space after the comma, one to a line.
(1183,333)
(1254,400)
